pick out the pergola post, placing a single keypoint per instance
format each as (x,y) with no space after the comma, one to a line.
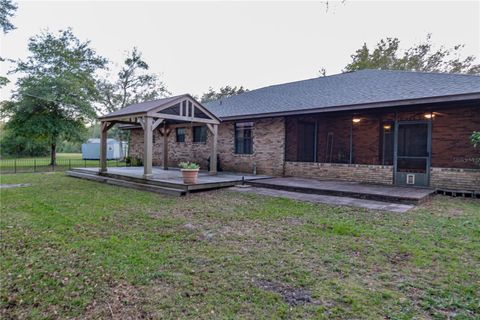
(147,147)
(103,146)
(165,146)
(213,156)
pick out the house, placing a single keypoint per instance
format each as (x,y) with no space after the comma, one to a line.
(373,126)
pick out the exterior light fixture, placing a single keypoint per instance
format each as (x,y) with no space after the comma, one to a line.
(430,115)
(356,120)
(387,126)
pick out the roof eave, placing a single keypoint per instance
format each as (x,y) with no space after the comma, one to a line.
(382,104)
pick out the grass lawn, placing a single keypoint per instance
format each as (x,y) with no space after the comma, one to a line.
(60,156)
(74,248)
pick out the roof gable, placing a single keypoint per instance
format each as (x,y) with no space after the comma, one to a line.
(180,106)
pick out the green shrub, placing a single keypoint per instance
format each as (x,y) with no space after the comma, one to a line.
(189,165)
(475,140)
(133,161)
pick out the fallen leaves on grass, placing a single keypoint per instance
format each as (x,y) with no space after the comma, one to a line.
(292,295)
(121,301)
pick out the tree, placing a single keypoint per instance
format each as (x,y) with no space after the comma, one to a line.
(56,90)
(224,92)
(421,57)
(133,85)
(322,72)
(18,146)
(7,10)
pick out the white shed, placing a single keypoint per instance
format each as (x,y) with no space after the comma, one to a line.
(91,149)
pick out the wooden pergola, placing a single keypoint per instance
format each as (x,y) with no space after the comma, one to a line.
(168,112)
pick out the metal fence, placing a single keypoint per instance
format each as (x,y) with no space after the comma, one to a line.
(44,165)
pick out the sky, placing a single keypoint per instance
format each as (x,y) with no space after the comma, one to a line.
(197,45)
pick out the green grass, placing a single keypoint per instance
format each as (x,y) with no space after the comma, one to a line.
(74,248)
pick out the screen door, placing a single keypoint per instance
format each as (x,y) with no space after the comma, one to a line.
(412,165)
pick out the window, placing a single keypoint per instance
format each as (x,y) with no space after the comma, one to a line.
(243,137)
(200,134)
(180,133)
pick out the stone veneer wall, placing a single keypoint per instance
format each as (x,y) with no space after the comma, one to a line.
(268,148)
(349,172)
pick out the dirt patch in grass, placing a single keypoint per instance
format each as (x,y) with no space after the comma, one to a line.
(448,207)
(400,258)
(122,301)
(294,296)
(291,221)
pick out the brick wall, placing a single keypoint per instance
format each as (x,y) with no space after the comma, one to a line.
(336,171)
(268,148)
(462,179)
(451,131)
(445,178)
(451,148)
(177,151)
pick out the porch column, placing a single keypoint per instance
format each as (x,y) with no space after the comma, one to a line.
(147,147)
(165,147)
(103,146)
(213,156)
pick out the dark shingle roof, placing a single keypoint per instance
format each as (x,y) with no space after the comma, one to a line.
(346,89)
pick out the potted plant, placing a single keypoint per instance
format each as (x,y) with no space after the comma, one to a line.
(189,172)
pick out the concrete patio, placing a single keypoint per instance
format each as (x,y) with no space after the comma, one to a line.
(376,192)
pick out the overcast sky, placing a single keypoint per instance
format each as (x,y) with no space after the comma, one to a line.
(197,45)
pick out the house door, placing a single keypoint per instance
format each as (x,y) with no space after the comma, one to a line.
(412,153)
(307,141)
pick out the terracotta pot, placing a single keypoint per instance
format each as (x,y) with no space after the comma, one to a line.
(190,176)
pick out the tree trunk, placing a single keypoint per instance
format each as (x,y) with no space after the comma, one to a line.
(53,154)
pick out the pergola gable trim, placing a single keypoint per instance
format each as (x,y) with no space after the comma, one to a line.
(184,112)
(156,112)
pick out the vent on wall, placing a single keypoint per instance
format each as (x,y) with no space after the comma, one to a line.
(410,179)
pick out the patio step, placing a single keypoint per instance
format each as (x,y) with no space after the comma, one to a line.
(390,194)
(331,200)
(82,174)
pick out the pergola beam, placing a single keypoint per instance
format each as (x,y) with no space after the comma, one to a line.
(157,123)
(184,118)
